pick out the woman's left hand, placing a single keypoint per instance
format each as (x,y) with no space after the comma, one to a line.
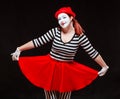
(103,71)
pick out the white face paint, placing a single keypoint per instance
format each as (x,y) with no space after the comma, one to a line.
(63,20)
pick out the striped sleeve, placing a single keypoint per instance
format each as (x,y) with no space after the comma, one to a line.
(47,37)
(86,45)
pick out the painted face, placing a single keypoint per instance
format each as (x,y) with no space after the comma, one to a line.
(63,20)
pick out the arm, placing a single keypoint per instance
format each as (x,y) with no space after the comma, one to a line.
(37,42)
(94,54)
(102,63)
(26,46)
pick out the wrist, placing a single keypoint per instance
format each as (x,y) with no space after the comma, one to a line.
(106,67)
(18,49)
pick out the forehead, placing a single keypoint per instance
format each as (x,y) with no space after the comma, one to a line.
(62,14)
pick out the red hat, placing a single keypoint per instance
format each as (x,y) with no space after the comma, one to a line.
(66,10)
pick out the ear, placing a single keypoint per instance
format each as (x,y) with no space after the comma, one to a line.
(71,17)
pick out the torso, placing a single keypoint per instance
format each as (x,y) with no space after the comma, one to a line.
(67,37)
(64,46)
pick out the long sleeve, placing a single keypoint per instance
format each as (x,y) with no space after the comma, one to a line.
(87,46)
(47,37)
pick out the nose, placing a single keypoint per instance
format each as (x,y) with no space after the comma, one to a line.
(62,22)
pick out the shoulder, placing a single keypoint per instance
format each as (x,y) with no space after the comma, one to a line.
(55,29)
(82,37)
(79,36)
(82,34)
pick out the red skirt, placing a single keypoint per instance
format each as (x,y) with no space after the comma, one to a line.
(50,74)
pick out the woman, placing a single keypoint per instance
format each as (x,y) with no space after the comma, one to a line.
(57,72)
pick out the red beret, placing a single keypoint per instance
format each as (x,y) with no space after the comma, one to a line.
(66,10)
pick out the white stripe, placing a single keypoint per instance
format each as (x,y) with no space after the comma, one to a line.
(87,50)
(91,51)
(86,47)
(84,44)
(40,41)
(43,39)
(47,38)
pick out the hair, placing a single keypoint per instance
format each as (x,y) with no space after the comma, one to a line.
(78,29)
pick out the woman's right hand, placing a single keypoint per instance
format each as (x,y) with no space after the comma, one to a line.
(16,54)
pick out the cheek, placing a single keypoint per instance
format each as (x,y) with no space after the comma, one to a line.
(68,20)
(59,22)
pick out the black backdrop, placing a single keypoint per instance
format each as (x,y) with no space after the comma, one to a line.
(21,21)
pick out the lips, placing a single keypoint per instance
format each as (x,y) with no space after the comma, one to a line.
(62,23)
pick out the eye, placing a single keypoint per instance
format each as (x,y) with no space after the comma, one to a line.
(64,17)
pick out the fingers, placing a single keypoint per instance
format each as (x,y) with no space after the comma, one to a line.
(15,57)
(103,71)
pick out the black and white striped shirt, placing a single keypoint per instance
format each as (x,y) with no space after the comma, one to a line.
(65,51)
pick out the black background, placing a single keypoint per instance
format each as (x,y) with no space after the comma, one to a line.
(23,20)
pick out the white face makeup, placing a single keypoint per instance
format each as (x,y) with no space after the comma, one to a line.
(63,20)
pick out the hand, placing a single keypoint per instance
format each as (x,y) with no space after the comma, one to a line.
(15,55)
(103,71)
